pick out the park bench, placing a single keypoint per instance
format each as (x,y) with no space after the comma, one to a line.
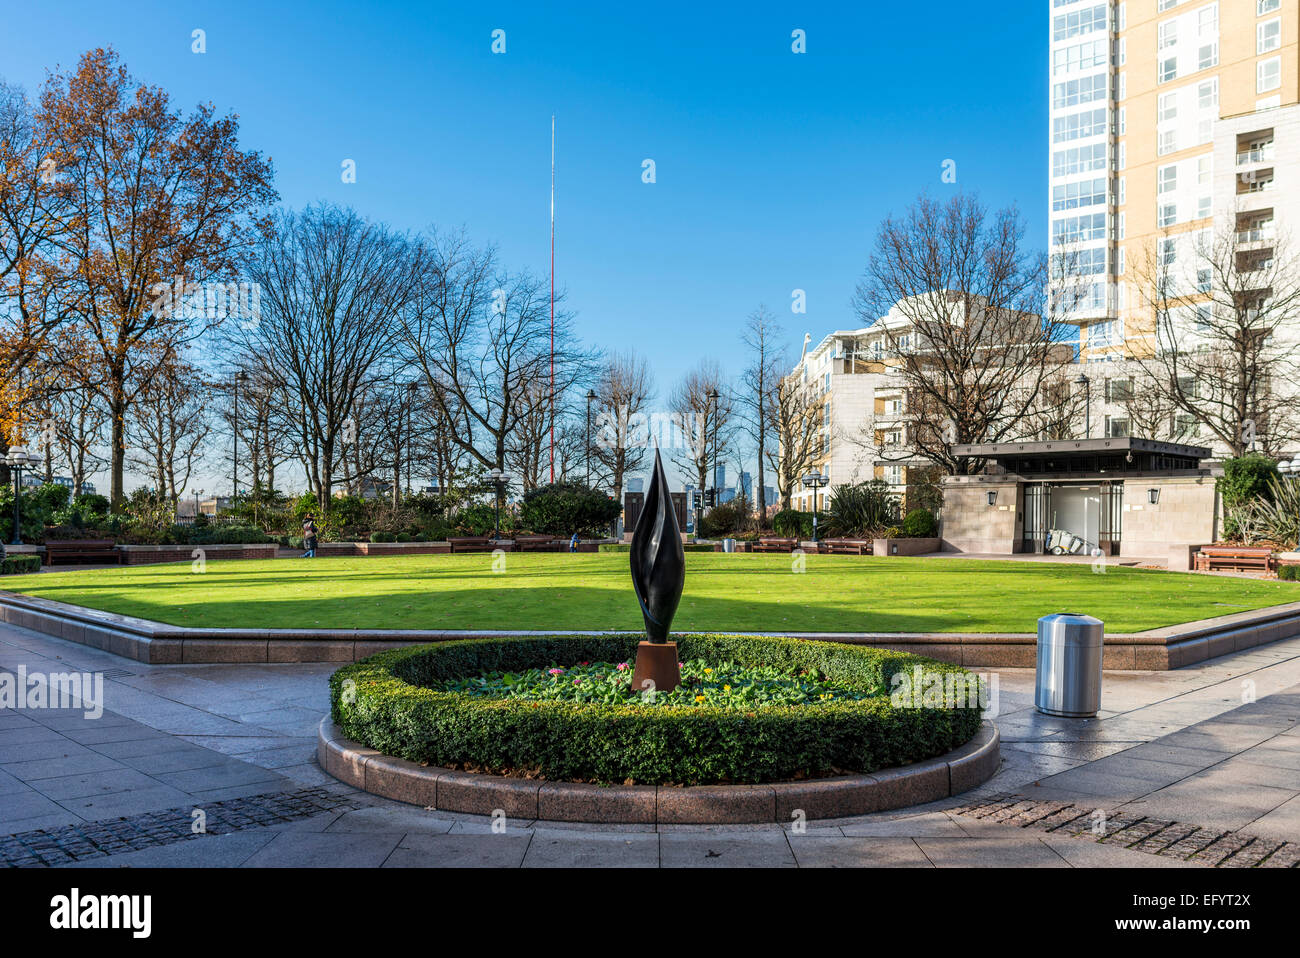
(775,544)
(541,544)
(1234,559)
(82,551)
(848,547)
(472,544)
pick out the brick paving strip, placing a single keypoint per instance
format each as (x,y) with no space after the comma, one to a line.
(1218,848)
(74,843)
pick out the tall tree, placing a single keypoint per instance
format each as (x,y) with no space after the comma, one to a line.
(968,322)
(619,443)
(795,422)
(1219,344)
(331,286)
(702,407)
(761,337)
(157,195)
(168,427)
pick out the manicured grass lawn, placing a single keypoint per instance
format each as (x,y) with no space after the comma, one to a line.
(723,592)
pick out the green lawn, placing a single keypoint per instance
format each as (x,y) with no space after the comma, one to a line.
(723,592)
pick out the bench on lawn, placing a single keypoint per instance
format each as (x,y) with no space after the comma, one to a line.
(472,544)
(848,547)
(775,544)
(541,544)
(82,551)
(1235,559)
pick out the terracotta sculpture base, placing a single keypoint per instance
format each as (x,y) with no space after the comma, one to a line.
(656,662)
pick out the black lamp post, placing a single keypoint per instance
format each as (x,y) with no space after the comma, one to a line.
(1086,383)
(240,377)
(498,482)
(713,476)
(410,431)
(814,481)
(18,459)
(591,396)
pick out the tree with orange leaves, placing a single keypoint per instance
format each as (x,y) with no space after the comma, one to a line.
(162,201)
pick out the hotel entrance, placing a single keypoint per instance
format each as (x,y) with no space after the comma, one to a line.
(1073,518)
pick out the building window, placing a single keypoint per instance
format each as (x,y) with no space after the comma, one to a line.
(1267,6)
(1168,69)
(1168,108)
(1168,251)
(1083,21)
(1208,56)
(1167,178)
(1168,142)
(1079,159)
(1075,229)
(1116,427)
(1167,35)
(1166,5)
(1268,35)
(1207,94)
(1081,56)
(1204,278)
(1168,214)
(1080,91)
(1069,196)
(1079,125)
(1207,21)
(1268,75)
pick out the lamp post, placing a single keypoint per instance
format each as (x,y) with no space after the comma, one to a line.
(713,475)
(1086,383)
(591,396)
(240,377)
(498,482)
(410,431)
(815,481)
(18,459)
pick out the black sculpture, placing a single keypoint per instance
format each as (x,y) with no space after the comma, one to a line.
(658,575)
(658,562)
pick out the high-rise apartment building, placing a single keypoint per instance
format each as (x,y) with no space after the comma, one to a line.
(1170,121)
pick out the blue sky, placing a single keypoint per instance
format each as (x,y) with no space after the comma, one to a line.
(773,168)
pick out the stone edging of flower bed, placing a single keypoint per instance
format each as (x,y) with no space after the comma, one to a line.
(439,788)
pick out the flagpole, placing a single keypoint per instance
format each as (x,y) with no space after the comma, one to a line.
(552,297)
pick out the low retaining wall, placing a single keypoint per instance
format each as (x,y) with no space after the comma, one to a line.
(145,555)
(906,547)
(160,644)
(446,790)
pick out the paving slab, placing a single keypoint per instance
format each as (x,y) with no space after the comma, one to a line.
(558,849)
(819,851)
(460,851)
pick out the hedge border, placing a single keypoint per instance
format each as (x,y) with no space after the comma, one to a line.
(385,702)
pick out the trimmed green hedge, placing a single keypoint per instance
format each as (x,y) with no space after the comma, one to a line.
(20,564)
(1289,573)
(387,703)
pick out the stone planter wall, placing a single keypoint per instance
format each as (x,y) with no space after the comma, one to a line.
(144,555)
(906,547)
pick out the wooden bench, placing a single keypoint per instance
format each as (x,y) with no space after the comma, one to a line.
(541,544)
(848,547)
(1235,559)
(471,544)
(775,544)
(82,551)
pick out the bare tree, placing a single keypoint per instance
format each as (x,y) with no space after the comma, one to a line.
(702,407)
(969,326)
(796,416)
(168,427)
(331,284)
(757,391)
(483,341)
(620,444)
(1060,409)
(79,419)
(1221,346)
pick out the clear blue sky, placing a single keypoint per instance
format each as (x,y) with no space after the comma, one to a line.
(773,168)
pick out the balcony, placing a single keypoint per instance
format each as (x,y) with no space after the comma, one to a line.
(1259,154)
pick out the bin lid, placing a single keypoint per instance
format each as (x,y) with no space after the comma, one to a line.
(1072,628)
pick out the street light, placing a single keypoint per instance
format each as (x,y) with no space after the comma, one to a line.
(814,481)
(410,431)
(591,395)
(240,377)
(713,481)
(18,459)
(1086,383)
(498,481)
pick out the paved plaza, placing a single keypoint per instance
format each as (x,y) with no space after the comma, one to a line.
(1193,768)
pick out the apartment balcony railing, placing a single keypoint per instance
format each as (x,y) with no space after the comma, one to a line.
(1259,235)
(1261,154)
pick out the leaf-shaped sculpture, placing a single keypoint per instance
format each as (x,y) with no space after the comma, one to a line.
(658,561)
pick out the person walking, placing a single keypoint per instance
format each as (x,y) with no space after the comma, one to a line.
(309,536)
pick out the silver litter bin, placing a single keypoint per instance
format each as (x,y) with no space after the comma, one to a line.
(1068,678)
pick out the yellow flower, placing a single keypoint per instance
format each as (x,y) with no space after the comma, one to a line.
(699,698)
(708,671)
(726,688)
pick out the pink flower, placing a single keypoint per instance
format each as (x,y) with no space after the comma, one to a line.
(622,666)
(577,681)
(555,671)
(584,663)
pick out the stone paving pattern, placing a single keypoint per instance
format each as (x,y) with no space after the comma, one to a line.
(1193,768)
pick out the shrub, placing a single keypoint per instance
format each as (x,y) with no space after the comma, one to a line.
(723,520)
(565,508)
(790,523)
(919,524)
(388,702)
(1245,480)
(382,537)
(476,520)
(1274,517)
(861,509)
(91,504)
(1289,573)
(20,564)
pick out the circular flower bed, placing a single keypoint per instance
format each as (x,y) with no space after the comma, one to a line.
(815,709)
